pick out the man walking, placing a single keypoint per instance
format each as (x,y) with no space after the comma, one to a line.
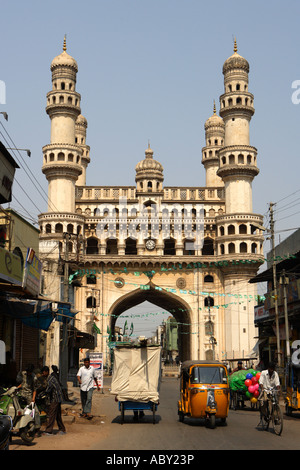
(56,399)
(86,377)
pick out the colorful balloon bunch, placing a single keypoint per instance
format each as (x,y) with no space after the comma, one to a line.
(252,385)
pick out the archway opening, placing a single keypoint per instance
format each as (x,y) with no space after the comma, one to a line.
(160,302)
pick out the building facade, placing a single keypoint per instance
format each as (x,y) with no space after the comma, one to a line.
(172,246)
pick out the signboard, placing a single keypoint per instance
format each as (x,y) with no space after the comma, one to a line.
(260,313)
(10,267)
(7,173)
(96,361)
(32,273)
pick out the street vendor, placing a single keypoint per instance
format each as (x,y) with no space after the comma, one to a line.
(239,367)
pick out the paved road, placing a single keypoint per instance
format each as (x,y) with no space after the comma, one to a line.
(168,433)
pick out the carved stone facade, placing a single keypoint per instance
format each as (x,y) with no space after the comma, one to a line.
(189,250)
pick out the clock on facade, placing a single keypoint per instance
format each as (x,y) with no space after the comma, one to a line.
(150,244)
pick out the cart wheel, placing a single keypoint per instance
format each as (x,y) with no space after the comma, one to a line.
(153,410)
(181,416)
(212,421)
(122,413)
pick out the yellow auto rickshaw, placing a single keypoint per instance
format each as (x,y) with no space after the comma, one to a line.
(292,396)
(204,391)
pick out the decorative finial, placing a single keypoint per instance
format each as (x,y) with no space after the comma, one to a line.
(215,107)
(148,143)
(65,43)
(235,46)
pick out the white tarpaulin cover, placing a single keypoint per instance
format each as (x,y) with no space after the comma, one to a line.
(136,374)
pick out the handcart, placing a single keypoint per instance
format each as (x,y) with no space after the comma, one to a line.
(136,379)
(244,387)
(139,407)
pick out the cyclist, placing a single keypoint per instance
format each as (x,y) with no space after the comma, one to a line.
(269,378)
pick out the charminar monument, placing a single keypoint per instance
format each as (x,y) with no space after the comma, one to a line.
(189,250)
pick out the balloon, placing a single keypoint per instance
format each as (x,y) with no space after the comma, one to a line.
(251,389)
(248,382)
(249,376)
(254,380)
(256,393)
(253,400)
(258,375)
(256,386)
(248,394)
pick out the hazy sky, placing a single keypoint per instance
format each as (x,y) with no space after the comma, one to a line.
(151,71)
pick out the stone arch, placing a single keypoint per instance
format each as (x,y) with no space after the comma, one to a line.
(174,304)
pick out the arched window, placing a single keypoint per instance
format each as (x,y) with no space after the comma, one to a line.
(254,248)
(130,247)
(231,230)
(92,246)
(209,302)
(231,248)
(242,229)
(91,302)
(208,247)
(91,279)
(58,228)
(112,246)
(208,278)
(169,247)
(243,247)
(48,228)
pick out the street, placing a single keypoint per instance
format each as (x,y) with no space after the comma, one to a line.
(241,432)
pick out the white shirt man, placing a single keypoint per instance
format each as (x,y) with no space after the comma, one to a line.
(269,378)
(86,377)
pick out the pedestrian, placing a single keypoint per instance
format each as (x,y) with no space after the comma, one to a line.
(86,377)
(28,383)
(56,398)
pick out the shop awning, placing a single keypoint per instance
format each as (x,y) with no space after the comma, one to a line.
(291,265)
(37,314)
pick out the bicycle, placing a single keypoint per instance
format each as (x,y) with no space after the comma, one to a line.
(274,412)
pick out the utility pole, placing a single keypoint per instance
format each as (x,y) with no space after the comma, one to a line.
(212,338)
(275,283)
(285,280)
(64,340)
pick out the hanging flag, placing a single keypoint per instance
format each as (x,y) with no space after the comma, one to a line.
(96,329)
(109,333)
(131,329)
(125,327)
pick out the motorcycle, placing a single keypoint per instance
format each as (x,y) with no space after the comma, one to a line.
(6,426)
(22,419)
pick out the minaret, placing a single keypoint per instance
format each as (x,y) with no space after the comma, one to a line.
(214,139)
(62,157)
(238,241)
(80,139)
(237,157)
